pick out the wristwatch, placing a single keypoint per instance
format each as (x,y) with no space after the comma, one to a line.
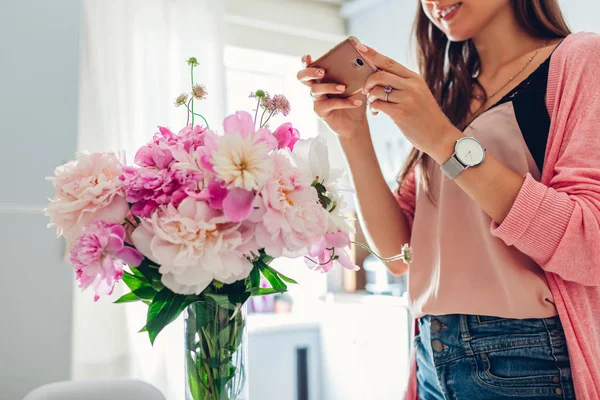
(468,152)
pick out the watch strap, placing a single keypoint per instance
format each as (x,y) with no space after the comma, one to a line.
(452,167)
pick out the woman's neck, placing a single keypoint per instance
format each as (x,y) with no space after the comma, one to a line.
(501,42)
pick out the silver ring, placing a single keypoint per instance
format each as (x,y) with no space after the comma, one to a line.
(388,89)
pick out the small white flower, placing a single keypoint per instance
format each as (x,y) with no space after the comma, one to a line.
(407,254)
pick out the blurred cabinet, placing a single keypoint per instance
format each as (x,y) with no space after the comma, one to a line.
(365,342)
(284,358)
(356,348)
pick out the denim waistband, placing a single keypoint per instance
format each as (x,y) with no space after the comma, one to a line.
(460,335)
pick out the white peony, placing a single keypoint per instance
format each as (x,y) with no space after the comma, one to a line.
(193,244)
(312,157)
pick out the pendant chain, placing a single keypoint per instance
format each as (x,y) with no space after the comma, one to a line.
(478,97)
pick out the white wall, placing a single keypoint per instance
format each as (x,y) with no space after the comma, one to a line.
(582,15)
(38,108)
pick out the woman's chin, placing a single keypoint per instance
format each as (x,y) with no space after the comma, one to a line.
(458,35)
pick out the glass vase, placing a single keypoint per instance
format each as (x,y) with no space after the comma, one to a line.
(216,351)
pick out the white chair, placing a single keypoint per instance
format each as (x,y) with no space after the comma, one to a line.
(113,389)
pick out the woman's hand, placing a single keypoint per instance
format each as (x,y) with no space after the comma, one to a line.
(346,117)
(410,105)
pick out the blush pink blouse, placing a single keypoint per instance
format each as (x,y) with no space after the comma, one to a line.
(553,225)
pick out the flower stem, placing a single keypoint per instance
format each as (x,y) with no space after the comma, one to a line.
(261,117)
(192,99)
(199,115)
(188,113)
(130,223)
(331,258)
(389,259)
(268,118)
(256,113)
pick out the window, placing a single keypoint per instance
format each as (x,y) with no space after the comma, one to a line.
(246,71)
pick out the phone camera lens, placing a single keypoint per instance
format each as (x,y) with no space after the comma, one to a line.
(359,62)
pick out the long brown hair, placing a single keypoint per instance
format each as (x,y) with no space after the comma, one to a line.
(448,67)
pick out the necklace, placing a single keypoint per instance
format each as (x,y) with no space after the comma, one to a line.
(481,98)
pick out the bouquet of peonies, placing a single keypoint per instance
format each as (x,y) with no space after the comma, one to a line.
(197,220)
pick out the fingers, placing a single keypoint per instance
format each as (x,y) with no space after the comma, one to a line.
(325,106)
(383,62)
(307,75)
(378,93)
(383,78)
(318,89)
(383,106)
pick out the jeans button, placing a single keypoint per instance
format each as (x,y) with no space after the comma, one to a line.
(436,326)
(556,379)
(437,345)
(559,391)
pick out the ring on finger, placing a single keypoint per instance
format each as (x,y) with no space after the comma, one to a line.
(388,89)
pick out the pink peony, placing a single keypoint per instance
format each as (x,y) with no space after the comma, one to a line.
(191,138)
(86,190)
(157,152)
(98,255)
(148,188)
(193,244)
(286,136)
(330,245)
(290,217)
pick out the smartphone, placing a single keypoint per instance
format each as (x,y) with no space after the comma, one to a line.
(344,65)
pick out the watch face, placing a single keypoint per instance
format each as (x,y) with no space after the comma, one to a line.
(469,151)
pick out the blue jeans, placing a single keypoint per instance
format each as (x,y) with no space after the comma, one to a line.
(471,357)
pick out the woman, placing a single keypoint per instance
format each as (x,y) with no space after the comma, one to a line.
(506,272)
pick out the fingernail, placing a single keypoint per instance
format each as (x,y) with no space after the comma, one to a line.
(341,88)
(320,72)
(357,102)
(361,47)
(304,58)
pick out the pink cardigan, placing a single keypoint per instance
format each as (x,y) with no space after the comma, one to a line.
(557,221)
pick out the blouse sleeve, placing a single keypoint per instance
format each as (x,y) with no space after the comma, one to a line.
(406,196)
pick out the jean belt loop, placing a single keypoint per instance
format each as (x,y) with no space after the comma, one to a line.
(464,328)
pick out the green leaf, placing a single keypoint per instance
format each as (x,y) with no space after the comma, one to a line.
(145,293)
(265,291)
(238,298)
(144,329)
(221,382)
(139,287)
(135,271)
(255,277)
(224,335)
(193,377)
(133,282)
(272,276)
(285,278)
(127,298)
(217,297)
(165,308)
(150,271)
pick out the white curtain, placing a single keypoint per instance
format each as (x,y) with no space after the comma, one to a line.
(132,68)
